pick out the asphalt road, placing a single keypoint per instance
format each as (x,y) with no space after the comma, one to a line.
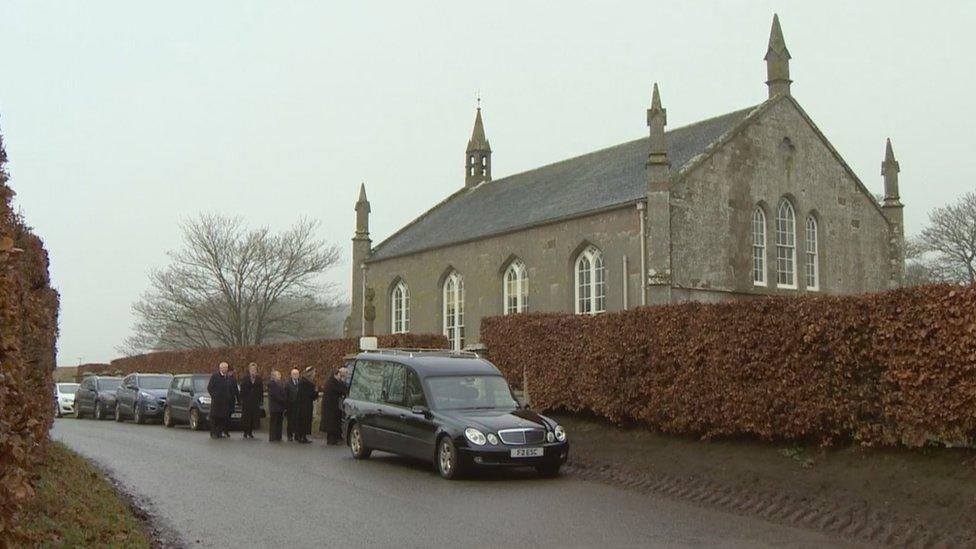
(251,493)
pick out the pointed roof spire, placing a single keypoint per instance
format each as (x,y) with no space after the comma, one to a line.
(777,44)
(478,140)
(890,169)
(362,192)
(889,154)
(656,98)
(777,62)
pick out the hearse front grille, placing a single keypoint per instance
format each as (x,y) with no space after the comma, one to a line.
(522,436)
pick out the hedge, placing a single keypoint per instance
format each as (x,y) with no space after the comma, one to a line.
(893,368)
(28,333)
(324,355)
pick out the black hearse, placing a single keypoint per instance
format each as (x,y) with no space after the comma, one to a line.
(452,408)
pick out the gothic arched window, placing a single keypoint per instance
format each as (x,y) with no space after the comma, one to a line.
(785,245)
(516,288)
(454,310)
(812,252)
(590,286)
(401,308)
(759,247)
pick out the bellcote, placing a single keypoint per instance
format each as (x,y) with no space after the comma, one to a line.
(477,157)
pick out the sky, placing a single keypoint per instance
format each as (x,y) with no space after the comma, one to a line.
(123,118)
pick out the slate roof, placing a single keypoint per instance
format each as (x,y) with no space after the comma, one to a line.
(569,188)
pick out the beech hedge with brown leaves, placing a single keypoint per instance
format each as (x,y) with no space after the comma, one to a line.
(28,334)
(325,355)
(892,368)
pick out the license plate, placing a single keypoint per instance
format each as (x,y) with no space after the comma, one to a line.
(235,415)
(527,452)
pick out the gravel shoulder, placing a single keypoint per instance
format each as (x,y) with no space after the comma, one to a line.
(887,496)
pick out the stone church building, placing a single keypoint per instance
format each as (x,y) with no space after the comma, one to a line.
(750,203)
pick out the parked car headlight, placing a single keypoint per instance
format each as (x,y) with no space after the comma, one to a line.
(147,396)
(560,433)
(205,400)
(475,436)
(550,437)
(492,439)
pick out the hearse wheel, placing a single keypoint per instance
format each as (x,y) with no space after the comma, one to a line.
(356,445)
(448,459)
(167,417)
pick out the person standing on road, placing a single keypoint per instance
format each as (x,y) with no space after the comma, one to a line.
(301,400)
(252,392)
(222,389)
(291,397)
(332,393)
(277,404)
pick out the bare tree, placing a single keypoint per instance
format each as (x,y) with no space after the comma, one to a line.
(230,286)
(949,241)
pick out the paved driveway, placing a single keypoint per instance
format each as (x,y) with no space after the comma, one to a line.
(250,493)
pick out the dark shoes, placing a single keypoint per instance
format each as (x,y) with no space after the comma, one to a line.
(304,441)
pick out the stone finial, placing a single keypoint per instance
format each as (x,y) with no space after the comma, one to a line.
(362,213)
(890,169)
(657,165)
(777,62)
(477,157)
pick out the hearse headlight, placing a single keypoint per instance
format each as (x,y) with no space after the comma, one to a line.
(560,433)
(492,439)
(550,437)
(475,436)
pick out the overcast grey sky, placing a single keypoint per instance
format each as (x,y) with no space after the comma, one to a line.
(122,117)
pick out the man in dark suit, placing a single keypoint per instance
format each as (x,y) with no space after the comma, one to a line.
(301,399)
(277,404)
(222,389)
(252,393)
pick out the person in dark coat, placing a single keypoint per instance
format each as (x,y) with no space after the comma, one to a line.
(277,404)
(222,389)
(332,393)
(252,393)
(301,400)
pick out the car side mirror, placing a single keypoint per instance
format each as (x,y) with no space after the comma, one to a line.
(420,411)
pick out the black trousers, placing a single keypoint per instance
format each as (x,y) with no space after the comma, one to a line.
(274,433)
(218,425)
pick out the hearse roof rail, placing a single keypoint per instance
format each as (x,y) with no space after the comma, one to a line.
(423,352)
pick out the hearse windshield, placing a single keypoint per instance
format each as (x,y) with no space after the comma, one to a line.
(470,393)
(154,382)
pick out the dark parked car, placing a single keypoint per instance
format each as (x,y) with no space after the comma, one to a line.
(141,397)
(96,396)
(188,401)
(454,409)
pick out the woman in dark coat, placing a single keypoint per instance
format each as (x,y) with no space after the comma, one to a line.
(332,394)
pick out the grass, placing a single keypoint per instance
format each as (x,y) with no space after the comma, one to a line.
(76,506)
